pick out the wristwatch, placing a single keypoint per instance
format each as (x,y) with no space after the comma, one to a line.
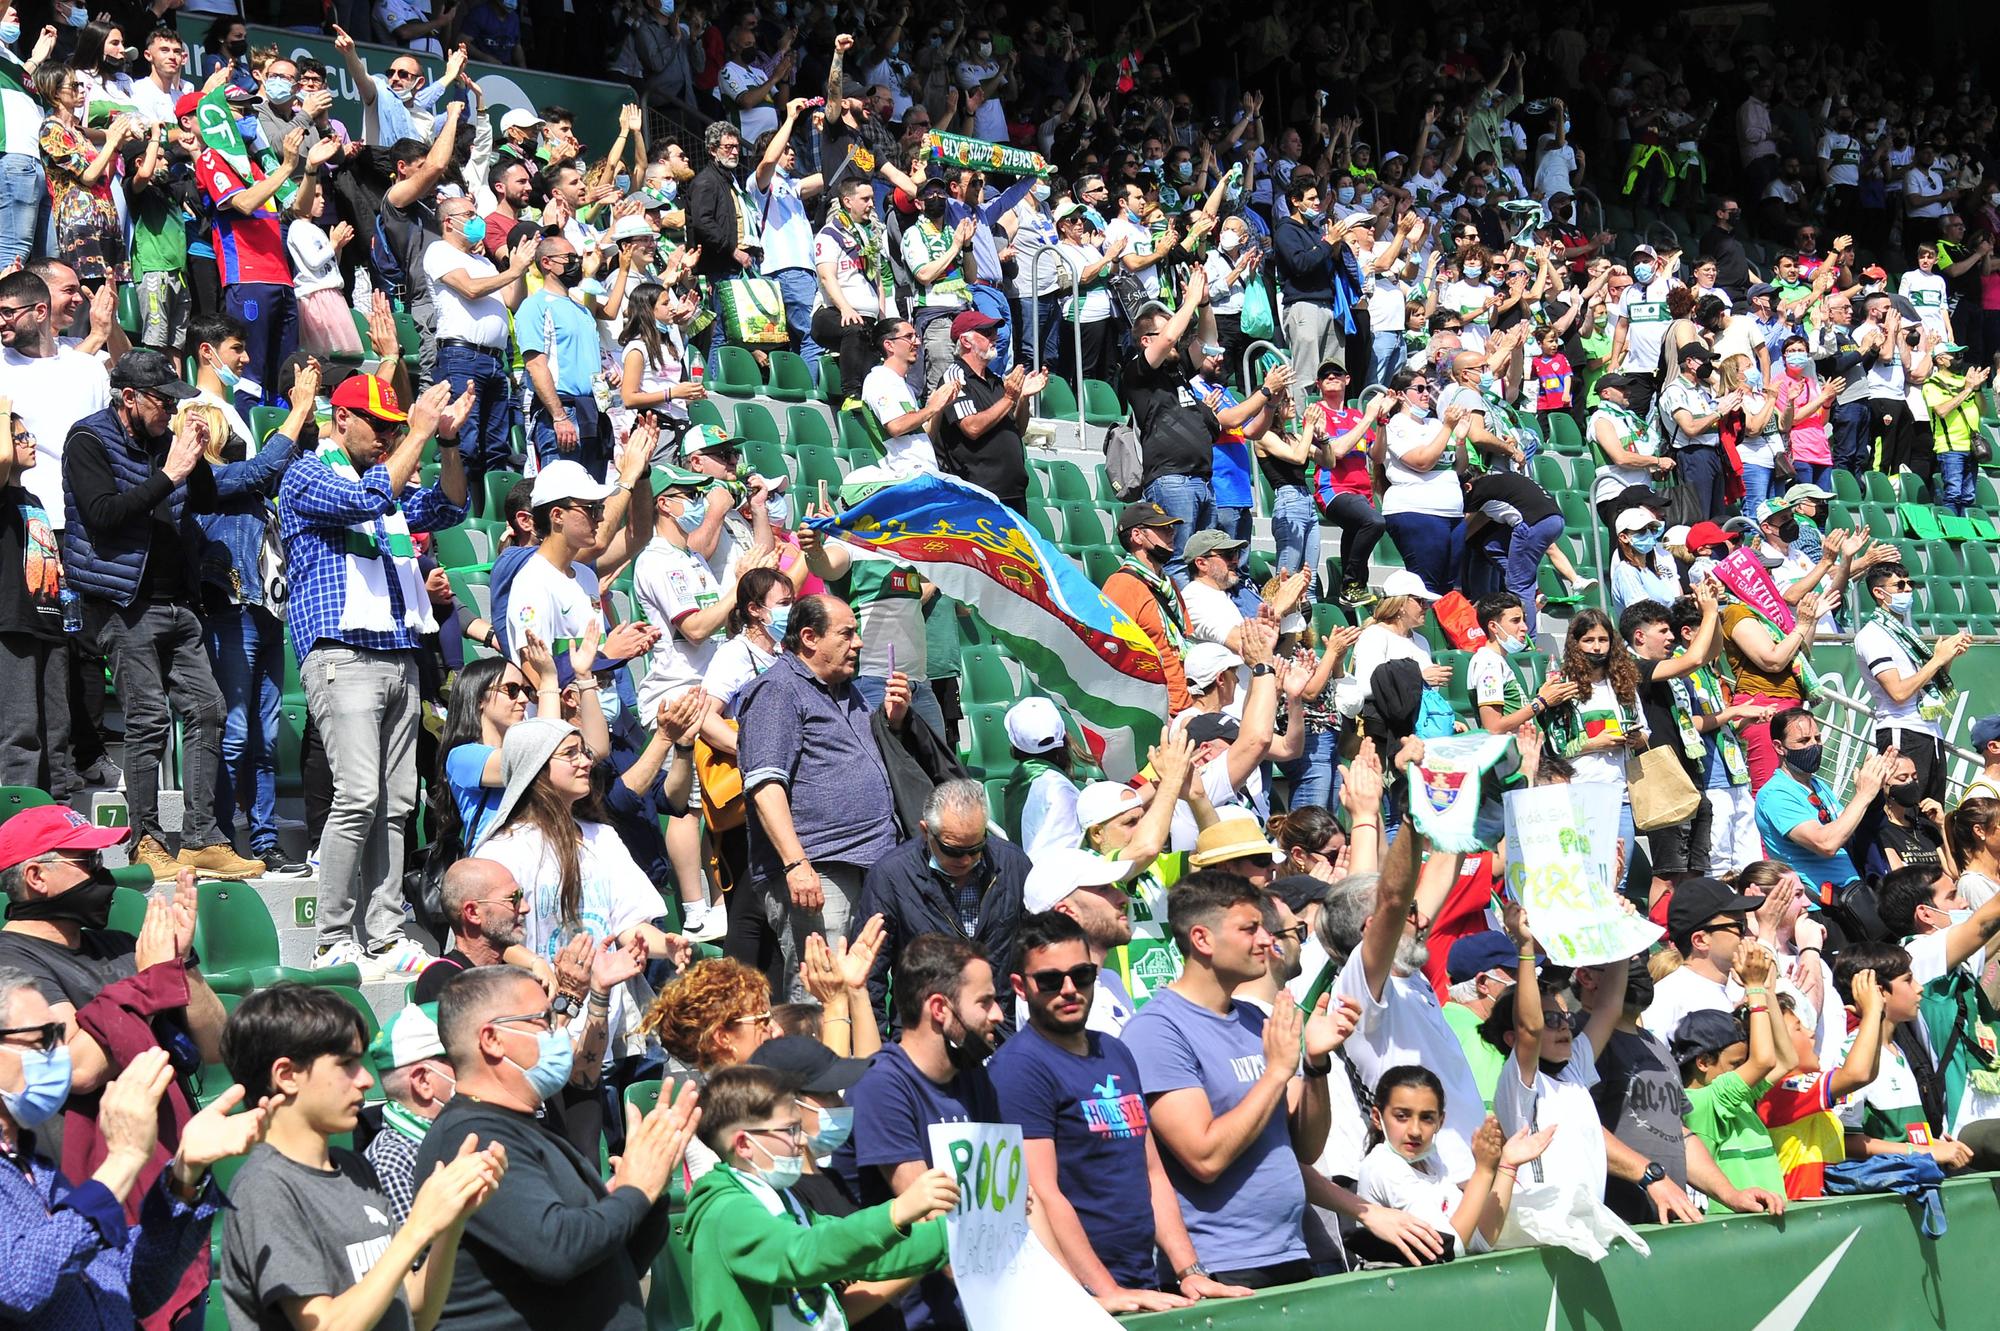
(1194,1268)
(565,1006)
(1261,669)
(1653,1174)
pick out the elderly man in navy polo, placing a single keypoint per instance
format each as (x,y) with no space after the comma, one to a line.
(358,610)
(817,780)
(133,480)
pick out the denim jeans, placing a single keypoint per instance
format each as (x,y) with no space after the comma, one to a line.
(801,288)
(1361,528)
(1756,485)
(23,187)
(486,439)
(1238,522)
(1701,470)
(989,299)
(1295,530)
(271,315)
(1525,548)
(1957,487)
(923,700)
(1387,356)
(593,448)
(1050,325)
(1850,438)
(247,648)
(365,706)
(160,664)
(1315,774)
(1189,499)
(1814,473)
(1432,547)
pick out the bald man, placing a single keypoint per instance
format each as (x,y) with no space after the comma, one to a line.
(488,912)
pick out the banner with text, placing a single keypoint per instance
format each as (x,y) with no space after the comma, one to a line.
(1006,1278)
(1562,860)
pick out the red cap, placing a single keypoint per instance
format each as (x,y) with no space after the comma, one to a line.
(186,105)
(38,831)
(1704,534)
(972,321)
(366,393)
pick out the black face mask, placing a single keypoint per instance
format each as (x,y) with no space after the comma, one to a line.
(571,272)
(1788,530)
(1638,989)
(237,48)
(1597,660)
(969,1050)
(1909,794)
(87,904)
(934,209)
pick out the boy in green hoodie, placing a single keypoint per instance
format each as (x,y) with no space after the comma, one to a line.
(761,1260)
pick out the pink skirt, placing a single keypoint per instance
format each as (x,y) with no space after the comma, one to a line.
(326,327)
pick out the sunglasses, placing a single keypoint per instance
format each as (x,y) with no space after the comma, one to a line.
(513,899)
(1297,933)
(52,1033)
(514,689)
(1051,981)
(593,510)
(754,1019)
(947,851)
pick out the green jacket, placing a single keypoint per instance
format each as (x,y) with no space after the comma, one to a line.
(745,1259)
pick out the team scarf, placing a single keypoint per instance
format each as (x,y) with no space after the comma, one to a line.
(1173,611)
(405,1120)
(1934,702)
(863,240)
(376,549)
(1700,694)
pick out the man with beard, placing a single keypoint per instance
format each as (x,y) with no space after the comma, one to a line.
(1075,1093)
(717,205)
(513,185)
(132,485)
(1084,886)
(934,1073)
(488,914)
(1140,588)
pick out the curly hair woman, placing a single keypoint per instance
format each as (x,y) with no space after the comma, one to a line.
(713,1015)
(1597,731)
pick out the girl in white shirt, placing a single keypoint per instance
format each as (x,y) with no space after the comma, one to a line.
(1402,1171)
(653,375)
(326,328)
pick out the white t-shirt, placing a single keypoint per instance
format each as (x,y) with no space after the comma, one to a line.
(52,393)
(889,397)
(1138,240)
(1466,298)
(482,320)
(1048,815)
(156,107)
(1487,677)
(1644,314)
(1601,709)
(1377,644)
(556,606)
(1096,300)
(1876,649)
(1842,155)
(1417,1188)
(1553,172)
(731,666)
(1576,1153)
(1435,492)
(1387,312)
(1212,616)
(788,236)
(1225,296)
(1682,992)
(738,79)
(1926,291)
(1408,1026)
(856,283)
(672,583)
(616,896)
(1919,181)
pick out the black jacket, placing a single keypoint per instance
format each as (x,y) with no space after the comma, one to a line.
(912,898)
(711,220)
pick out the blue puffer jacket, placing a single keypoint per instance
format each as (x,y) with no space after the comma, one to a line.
(234,533)
(107,560)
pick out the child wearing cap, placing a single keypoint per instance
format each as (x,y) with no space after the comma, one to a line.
(1728,1062)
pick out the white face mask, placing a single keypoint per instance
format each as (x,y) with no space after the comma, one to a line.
(1230,242)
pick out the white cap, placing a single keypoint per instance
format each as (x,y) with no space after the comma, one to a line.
(1035,726)
(1057,873)
(521,117)
(1636,519)
(1101,801)
(1205,662)
(1403,582)
(564,479)
(1677,535)
(633,226)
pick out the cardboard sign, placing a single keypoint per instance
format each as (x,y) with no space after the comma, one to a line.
(1006,1279)
(1562,860)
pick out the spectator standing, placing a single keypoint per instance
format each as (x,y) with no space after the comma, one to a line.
(782,195)
(979,435)
(1909,683)
(472,298)
(1089,336)
(1691,414)
(1318,276)
(35,746)
(1424,505)
(1140,587)
(84,213)
(1177,431)
(559,350)
(1707,922)
(1725,769)
(357,611)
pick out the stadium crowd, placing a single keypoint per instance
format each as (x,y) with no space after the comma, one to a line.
(363,440)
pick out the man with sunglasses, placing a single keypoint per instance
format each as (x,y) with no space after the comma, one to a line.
(1707,922)
(1092,1161)
(953,877)
(1912,692)
(489,917)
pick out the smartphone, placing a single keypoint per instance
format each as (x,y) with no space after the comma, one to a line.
(892,660)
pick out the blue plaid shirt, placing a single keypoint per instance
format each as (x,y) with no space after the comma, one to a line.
(316,506)
(73,1263)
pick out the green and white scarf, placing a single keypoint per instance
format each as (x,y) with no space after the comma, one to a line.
(405,1120)
(1934,702)
(376,549)
(1700,693)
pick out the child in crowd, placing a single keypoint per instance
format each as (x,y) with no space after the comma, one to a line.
(1798,1111)
(1554,380)
(1728,1061)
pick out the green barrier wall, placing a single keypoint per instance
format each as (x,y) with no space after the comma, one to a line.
(1853,1263)
(595,103)
(1976,674)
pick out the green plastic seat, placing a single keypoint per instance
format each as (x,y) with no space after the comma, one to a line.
(987,678)
(756,422)
(1100,403)
(1846,488)
(1550,473)
(703,412)
(1912,488)
(1084,527)
(1878,489)
(464,547)
(1100,563)
(497,484)
(791,381)
(806,428)
(1058,400)
(855,442)
(1039,517)
(238,944)
(988,749)
(128,909)
(737,374)
(1943,560)
(1067,482)
(130,315)
(1455,692)
(1565,436)
(409,337)
(816,465)
(263,420)
(13,799)
(829,390)
(291,744)
(765,458)
(473,587)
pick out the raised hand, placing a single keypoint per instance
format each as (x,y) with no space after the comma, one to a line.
(1330,1024)
(654,1143)
(155,944)
(128,1112)
(819,972)
(613,965)
(1282,1030)
(457,1188)
(1525,1146)
(932,1193)
(858,958)
(218,1134)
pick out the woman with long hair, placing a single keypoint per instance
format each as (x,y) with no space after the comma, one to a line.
(99,59)
(1604,724)
(655,356)
(1766,420)
(88,235)
(1641,568)
(1972,846)
(488,698)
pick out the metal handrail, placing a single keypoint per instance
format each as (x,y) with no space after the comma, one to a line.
(1250,354)
(1855,725)
(1076,325)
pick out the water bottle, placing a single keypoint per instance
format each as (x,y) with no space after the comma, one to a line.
(72,610)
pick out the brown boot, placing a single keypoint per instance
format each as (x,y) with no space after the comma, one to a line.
(219,861)
(155,857)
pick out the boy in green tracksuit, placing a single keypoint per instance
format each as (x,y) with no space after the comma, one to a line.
(761,1260)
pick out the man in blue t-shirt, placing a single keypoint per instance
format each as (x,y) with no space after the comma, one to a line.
(1798,817)
(1091,1162)
(1218,1078)
(934,1073)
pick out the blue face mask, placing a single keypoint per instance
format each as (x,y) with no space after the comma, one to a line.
(663,326)
(1487,383)
(228,376)
(1753,380)
(1797,360)
(10,33)
(1511,645)
(44,1086)
(783,1172)
(1184,170)
(781,619)
(693,515)
(1900,602)
(78,17)
(473,228)
(553,1060)
(623,180)
(1041,191)
(1313,215)
(836,1124)
(1957,917)
(1642,273)
(1645,543)
(275,89)
(1345,194)
(1474,271)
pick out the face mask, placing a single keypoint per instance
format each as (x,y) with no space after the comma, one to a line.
(1184,170)
(1473,272)
(968,1050)
(1095,218)
(1597,660)
(783,1172)
(781,619)
(1753,380)
(1797,360)
(10,33)
(473,228)
(985,49)
(78,17)
(87,904)
(44,1086)
(1313,216)
(693,515)
(1041,191)
(836,1125)
(1487,383)
(1154,165)
(553,1059)
(571,273)
(934,211)
(1642,273)
(1788,530)
(1900,602)
(1230,242)
(1645,543)
(1345,194)
(662,326)
(1419,411)
(1909,794)
(1511,645)
(228,376)
(1806,759)
(276,89)
(1960,915)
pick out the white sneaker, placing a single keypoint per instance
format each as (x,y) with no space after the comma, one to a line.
(702,922)
(403,957)
(346,952)
(1582,585)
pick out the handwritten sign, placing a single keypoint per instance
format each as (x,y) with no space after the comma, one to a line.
(1006,1279)
(1562,861)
